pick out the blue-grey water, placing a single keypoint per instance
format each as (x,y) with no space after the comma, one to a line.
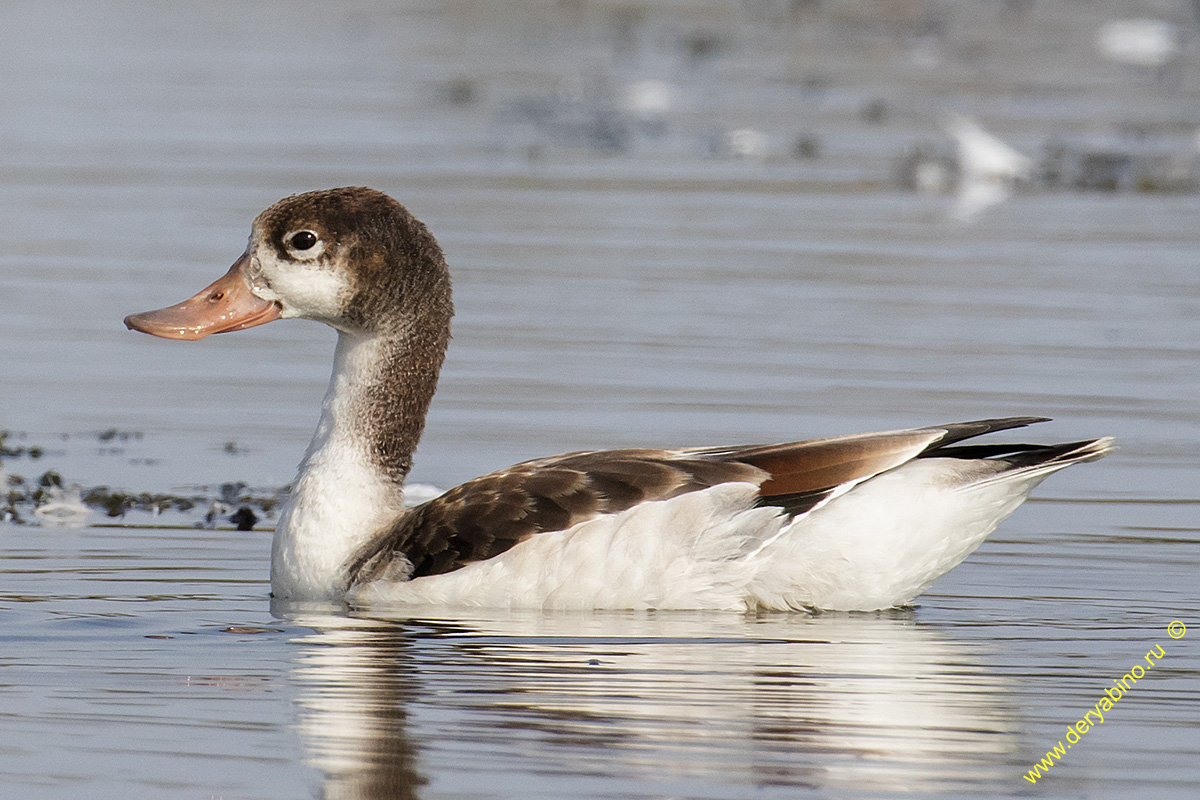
(668,224)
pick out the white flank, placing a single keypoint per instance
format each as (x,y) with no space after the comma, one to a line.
(891,537)
(686,552)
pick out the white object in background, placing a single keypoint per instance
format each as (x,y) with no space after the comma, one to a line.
(981,156)
(62,508)
(648,99)
(746,143)
(1142,42)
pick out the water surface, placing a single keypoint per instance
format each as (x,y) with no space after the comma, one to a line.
(620,280)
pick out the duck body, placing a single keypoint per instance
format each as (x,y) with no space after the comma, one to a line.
(720,548)
(859,522)
(707,529)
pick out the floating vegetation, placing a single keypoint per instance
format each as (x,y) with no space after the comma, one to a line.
(7,451)
(1139,161)
(112,434)
(50,501)
(244,519)
(47,502)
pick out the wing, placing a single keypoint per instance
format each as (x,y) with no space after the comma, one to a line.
(802,474)
(488,515)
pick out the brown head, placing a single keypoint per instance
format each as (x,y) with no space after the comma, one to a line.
(352,258)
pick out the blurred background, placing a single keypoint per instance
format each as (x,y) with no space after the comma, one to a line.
(669,223)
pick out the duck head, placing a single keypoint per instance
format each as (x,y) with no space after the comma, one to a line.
(352,258)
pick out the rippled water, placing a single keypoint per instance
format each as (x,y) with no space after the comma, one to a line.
(620,279)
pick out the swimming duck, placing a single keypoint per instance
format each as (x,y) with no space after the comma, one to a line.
(859,522)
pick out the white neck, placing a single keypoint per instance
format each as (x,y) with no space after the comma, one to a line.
(341,496)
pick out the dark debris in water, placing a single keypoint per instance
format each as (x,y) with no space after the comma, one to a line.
(112,434)
(51,500)
(250,629)
(17,451)
(1159,164)
(244,519)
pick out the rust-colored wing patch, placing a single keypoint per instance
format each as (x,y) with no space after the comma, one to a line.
(820,465)
(811,466)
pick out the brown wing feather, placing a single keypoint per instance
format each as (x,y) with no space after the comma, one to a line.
(488,515)
(824,464)
(806,467)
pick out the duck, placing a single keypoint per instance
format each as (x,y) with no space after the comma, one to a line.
(858,522)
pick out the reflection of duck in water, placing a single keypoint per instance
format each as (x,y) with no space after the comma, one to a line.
(357,684)
(607,700)
(854,522)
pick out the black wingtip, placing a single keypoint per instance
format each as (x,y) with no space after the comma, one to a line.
(958,431)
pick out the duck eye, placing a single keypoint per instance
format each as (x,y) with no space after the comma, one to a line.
(303,240)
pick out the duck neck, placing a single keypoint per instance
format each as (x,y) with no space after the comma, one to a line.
(351,481)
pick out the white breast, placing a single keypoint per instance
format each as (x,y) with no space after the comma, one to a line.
(340,499)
